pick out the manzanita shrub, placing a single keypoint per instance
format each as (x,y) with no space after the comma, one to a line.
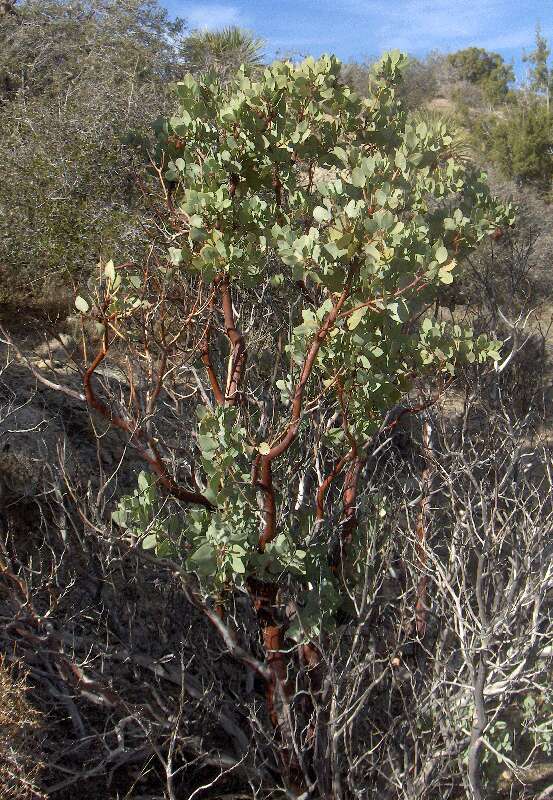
(332,224)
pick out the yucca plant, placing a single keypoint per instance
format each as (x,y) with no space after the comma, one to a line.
(223,51)
(460,146)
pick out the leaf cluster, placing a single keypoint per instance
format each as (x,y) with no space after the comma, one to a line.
(367,210)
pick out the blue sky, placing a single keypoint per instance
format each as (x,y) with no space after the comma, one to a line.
(355,29)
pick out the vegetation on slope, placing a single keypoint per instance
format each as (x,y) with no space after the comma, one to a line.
(327,344)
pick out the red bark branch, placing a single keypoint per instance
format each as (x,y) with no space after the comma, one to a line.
(265,483)
(144,444)
(348,523)
(269,531)
(324,486)
(422,407)
(264,597)
(203,347)
(238,354)
(415,284)
(351,482)
(297,401)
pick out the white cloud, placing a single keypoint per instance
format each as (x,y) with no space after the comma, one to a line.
(368,27)
(516,39)
(422,25)
(212,16)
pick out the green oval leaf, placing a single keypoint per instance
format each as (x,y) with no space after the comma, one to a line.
(81,304)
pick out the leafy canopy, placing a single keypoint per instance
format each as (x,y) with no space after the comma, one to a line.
(292,180)
(485,69)
(540,73)
(75,80)
(522,144)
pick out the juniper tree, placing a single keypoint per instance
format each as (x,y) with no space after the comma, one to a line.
(540,73)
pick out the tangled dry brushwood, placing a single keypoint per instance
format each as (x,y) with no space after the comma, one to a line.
(140,696)
(19,720)
(145,692)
